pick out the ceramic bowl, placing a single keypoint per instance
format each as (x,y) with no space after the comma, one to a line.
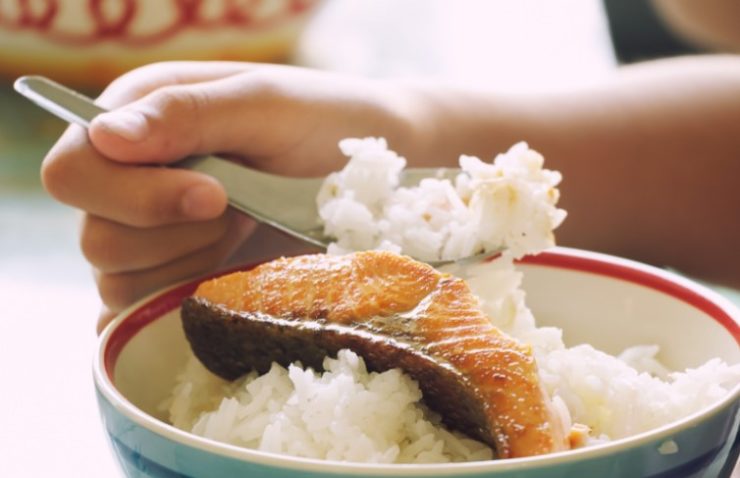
(90,42)
(606,301)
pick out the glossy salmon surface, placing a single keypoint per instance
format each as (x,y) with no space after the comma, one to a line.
(394,312)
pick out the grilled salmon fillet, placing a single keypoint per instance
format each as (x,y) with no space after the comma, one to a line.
(394,312)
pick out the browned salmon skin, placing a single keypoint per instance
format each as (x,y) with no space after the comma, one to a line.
(394,312)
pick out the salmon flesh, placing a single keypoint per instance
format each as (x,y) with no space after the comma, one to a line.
(394,312)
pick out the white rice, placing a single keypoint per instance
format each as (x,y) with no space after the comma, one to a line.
(508,204)
(344,414)
(348,414)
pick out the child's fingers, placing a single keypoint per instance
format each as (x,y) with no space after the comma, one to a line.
(119,290)
(281,119)
(77,175)
(230,115)
(115,248)
(256,114)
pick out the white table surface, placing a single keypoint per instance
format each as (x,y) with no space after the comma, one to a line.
(50,425)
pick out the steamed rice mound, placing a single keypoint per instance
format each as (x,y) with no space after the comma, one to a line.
(344,414)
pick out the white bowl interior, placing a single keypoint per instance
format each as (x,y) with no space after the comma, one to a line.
(148,365)
(607,312)
(612,314)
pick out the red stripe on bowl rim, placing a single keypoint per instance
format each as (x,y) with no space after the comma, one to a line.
(152,309)
(648,276)
(601,264)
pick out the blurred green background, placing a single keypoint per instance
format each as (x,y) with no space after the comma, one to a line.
(37,234)
(26,133)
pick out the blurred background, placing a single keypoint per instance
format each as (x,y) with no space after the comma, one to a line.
(50,305)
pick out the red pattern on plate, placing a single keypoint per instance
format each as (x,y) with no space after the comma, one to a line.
(112,20)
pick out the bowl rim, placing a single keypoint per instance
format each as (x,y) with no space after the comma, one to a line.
(114,338)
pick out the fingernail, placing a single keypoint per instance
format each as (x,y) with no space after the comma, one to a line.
(201,202)
(129,125)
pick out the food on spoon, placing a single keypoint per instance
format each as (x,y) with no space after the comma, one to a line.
(507,204)
(394,312)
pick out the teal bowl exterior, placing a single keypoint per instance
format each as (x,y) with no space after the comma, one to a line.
(705,444)
(713,446)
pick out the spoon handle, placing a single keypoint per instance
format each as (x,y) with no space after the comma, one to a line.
(67,104)
(74,107)
(288,204)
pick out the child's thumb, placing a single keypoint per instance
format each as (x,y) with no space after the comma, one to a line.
(171,123)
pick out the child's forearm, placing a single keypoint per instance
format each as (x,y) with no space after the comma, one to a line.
(651,161)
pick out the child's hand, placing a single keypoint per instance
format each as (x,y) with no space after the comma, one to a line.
(146,226)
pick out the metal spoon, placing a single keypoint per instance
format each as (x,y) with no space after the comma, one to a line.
(288,204)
